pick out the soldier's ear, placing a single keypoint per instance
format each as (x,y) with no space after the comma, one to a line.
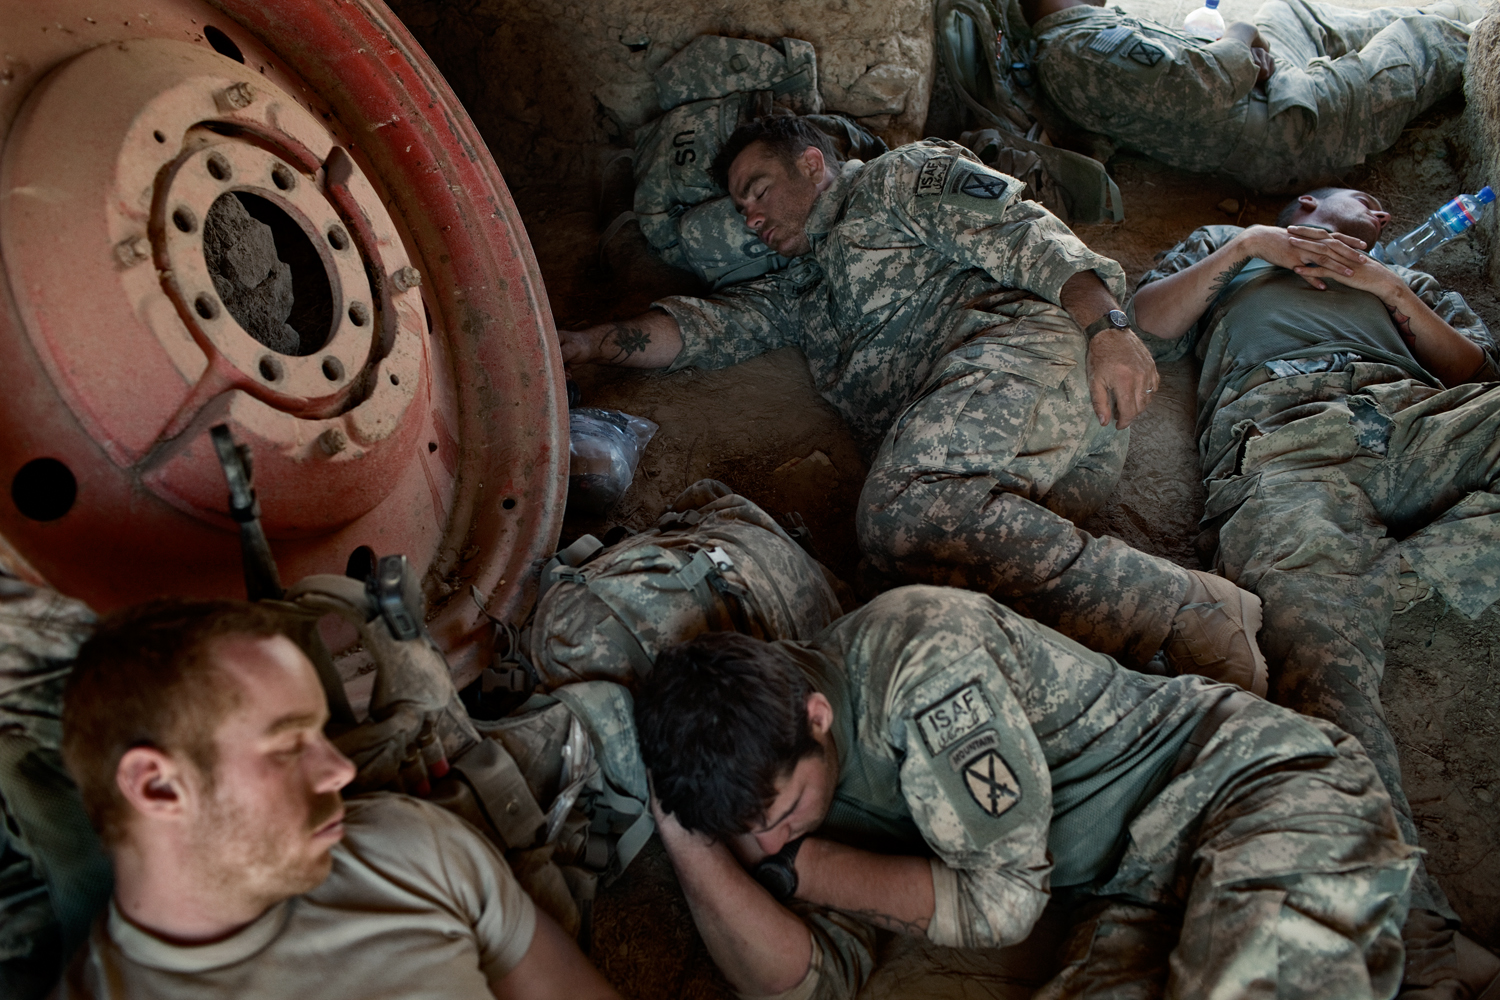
(1308,204)
(153,782)
(811,163)
(819,715)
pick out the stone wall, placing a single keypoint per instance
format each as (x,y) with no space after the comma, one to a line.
(1482,128)
(553,84)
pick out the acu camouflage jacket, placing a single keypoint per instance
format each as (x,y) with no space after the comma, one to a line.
(903,247)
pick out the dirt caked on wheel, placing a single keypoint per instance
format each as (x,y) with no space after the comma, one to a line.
(275,214)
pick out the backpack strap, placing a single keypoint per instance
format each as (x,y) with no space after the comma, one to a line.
(569,559)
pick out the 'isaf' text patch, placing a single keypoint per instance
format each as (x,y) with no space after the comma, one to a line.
(934,175)
(953,718)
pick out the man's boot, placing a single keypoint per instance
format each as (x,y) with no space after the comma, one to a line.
(1443,964)
(1213,634)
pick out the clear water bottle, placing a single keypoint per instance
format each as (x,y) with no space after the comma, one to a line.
(1447,223)
(1205,22)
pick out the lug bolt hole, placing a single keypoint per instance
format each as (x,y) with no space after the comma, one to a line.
(509,503)
(337,238)
(283,177)
(207,306)
(431,447)
(359,313)
(270,369)
(395,379)
(184,219)
(333,369)
(219,168)
(158,136)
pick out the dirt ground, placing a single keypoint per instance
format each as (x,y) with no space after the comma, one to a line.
(760,428)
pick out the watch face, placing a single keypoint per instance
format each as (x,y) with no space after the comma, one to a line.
(1118,318)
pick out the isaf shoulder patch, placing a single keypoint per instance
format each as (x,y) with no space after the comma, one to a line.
(955,716)
(934,175)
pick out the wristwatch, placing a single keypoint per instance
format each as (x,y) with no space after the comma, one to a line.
(1114,318)
(778,873)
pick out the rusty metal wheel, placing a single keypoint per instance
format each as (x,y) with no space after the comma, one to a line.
(275,213)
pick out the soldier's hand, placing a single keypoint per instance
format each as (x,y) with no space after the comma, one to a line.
(580,347)
(1122,376)
(1297,246)
(1260,49)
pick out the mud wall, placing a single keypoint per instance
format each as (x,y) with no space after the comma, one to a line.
(553,84)
(1482,127)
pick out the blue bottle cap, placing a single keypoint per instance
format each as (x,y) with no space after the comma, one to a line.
(1211,4)
(1485,195)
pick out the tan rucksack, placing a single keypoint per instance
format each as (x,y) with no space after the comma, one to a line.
(714,562)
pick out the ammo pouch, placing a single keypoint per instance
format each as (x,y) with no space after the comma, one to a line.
(1072,186)
(710,88)
(715,562)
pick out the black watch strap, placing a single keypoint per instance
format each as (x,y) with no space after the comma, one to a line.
(778,872)
(1115,318)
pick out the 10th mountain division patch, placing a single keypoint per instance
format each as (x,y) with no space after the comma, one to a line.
(991,782)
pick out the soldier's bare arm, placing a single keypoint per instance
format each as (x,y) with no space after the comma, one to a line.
(761,947)
(1168,308)
(552,969)
(1122,375)
(650,340)
(892,892)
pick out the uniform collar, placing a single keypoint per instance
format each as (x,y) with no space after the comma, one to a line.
(144,948)
(828,209)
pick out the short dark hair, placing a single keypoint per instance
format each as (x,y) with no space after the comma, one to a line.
(145,679)
(721,718)
(786,136)
(1289,210)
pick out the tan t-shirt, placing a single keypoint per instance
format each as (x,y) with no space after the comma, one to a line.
(418,905)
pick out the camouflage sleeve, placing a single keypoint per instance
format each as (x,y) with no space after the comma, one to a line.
(1199,244)
(975,215)
(741,321)
(978,786)
(1453,310)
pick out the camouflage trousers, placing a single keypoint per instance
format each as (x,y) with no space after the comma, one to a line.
(1367,73)
(1320,475)
(1293,885)
(980,479)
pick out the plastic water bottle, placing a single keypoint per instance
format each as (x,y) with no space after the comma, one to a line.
(1447,223)
(1206,22)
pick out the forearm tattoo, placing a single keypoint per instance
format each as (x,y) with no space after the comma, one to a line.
(627,340)
(1226,276)
(911,928)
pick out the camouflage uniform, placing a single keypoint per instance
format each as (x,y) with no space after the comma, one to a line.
(1307,463)
(53,875)
(1346,82)
(1020,759)
(927,312)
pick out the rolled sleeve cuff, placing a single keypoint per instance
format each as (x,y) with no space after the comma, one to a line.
(1048,278)
(946,928)
(805,990)
(696,327)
